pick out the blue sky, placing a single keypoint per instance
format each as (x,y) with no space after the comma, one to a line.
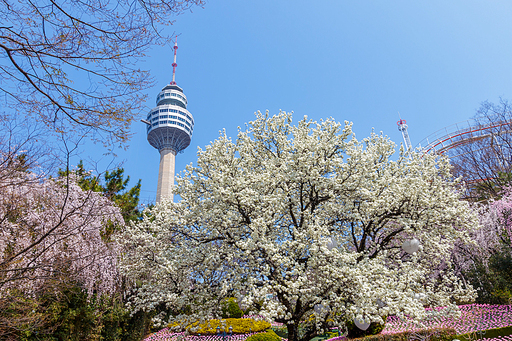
(361,61)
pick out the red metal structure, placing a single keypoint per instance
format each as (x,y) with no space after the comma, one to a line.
(462,133)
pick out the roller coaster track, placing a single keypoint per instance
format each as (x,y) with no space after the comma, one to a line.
(462,133)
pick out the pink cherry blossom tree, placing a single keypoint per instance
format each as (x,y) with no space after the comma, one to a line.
(484,263)
(51,237)
(500,214)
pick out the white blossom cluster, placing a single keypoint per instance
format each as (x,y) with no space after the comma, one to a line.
(302,223)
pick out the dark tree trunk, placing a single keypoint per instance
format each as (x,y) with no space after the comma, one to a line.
(293,330)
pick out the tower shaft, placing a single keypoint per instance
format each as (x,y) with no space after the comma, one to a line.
(166,175)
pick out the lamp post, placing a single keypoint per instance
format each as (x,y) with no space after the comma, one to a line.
(361,324)
(411,245)
(332,243)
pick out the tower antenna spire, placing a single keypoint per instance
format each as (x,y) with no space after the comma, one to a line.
(174,63)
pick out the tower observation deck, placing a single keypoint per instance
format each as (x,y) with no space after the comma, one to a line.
(169,129)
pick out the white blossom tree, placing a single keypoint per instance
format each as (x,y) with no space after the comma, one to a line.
(303,224)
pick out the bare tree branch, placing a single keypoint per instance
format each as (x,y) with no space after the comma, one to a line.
(72,65)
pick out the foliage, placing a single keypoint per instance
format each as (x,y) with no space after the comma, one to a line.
(238,325)
(434,334)
(493,279)
(114,187)
(19,316)
(289,218)
(354,331)
(281,331)
(73,65)
(494,333)
(269,335)
(487,265)
(75,318)
(74,315)
(50,239)
(230,308)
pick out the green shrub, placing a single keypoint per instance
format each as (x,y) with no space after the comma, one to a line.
(441,334)
(436,334)
(230,308)
(72,315)
(493,281)
(354,332)
(269,335)
(240,326)
(502,296)
(281,331)
(488,334)
(118,325)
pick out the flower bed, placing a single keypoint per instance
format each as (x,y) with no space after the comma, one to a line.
(474,317)
(167,335)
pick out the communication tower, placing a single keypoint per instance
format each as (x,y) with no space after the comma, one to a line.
(403,128)
(169,130)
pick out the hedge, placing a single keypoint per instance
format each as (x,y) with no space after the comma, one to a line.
(269,335)
(240,326)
